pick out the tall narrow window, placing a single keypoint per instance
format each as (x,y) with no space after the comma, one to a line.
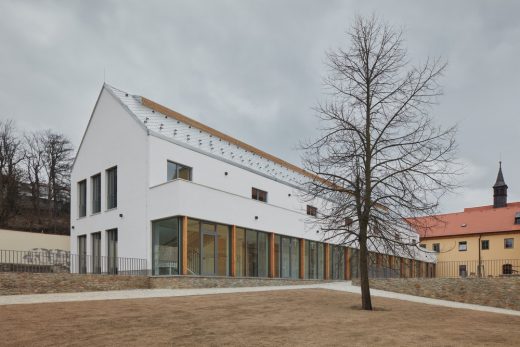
(258,194)
(112,188)
(176,170)
(240,260)
(82,198)
(112,251)
(277,250)
(165,240)
(194,241)
(82,254)
(96,253)
(263,255)
(95,182)
(252,253)
(222,250)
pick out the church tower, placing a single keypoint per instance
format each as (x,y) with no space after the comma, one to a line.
(500,190)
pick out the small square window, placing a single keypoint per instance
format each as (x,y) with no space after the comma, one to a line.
(509,243)
(463,246)
(312,211)
(258,194)
(436,247)
(175,170)
(485,244)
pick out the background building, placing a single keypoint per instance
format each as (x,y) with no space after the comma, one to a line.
(481,240)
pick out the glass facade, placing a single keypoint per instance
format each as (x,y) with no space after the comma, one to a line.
(165,249)
(337,262)
(252,253)
(314,262)
(208,248)
(286,257)
(209,253)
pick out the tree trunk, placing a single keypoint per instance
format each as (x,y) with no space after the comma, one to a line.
(366,300)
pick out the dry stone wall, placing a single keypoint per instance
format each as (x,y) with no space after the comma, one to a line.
(501,292)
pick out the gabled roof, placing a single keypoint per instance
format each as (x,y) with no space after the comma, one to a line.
(474,220)
(166,123)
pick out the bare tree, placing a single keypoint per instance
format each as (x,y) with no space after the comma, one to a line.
(380,160)
(11,155)
(35,155)
(57,162)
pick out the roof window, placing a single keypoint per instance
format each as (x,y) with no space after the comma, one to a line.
(517,218)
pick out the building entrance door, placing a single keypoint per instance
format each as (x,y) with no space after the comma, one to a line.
(208,247)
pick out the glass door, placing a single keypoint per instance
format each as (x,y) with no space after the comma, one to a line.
(208,246)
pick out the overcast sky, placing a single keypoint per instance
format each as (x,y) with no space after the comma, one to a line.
(253,69)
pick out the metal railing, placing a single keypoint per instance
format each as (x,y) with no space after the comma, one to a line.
(474,268)
(56,261)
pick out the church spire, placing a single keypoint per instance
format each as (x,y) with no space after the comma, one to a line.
(500,190)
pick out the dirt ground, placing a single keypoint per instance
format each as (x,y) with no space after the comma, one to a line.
(299,317)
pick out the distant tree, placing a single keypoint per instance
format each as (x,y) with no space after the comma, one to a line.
(380,158)
(11,155)
(57,164)
(35,156)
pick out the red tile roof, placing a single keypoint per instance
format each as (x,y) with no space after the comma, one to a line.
(474,220)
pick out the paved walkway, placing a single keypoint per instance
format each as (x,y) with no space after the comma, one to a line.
(161,293)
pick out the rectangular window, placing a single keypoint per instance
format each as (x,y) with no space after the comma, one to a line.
(337,267)
(82,198)
(312,211)
(176,170)
(263,255)
(82,254)
(436,247)
(509,243)
(251,253)
(111,175)
(95,182)
(112,251)
(96,253)
(165,248)
(485,244)
(193,247)
(258,194)
(295,258)
(463,246)
(277,244)
(422,245)
(463,271)
(240,259)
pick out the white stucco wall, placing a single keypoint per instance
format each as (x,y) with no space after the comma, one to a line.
(113,138)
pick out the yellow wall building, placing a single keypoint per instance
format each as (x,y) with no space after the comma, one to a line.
(480,241)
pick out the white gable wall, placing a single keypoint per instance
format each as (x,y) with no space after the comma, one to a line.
(113,138)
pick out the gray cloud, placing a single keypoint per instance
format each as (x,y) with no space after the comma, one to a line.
(253,69)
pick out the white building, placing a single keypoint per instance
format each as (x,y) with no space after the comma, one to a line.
(150,183)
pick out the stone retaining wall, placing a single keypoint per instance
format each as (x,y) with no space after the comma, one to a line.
(36,283)
(12,283)
(501,292)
